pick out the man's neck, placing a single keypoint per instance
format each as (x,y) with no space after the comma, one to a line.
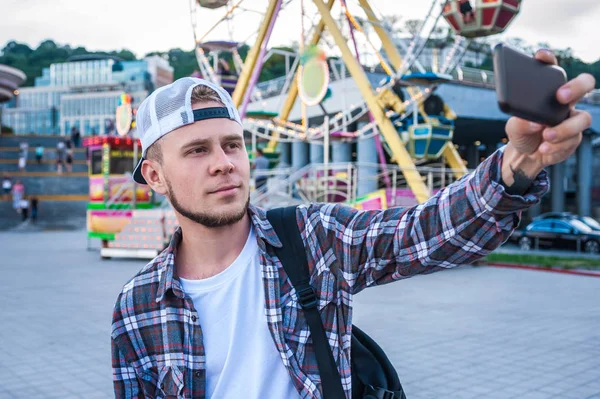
(204,252)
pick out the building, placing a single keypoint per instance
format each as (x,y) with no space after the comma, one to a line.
(10,79)
(83,93)
(474,56)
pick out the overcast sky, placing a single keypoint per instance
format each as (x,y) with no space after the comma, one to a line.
(147,25)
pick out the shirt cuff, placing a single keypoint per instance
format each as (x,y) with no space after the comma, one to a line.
(493,195)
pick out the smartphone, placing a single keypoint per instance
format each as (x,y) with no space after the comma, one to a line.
(527,88)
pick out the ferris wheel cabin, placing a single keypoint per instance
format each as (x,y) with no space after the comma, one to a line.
(478,18)
(212,4)
(223,74)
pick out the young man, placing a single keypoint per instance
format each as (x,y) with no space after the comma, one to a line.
(214,315)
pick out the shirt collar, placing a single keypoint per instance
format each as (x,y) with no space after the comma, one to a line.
(167,275)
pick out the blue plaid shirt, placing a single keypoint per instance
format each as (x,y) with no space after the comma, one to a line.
(157,348)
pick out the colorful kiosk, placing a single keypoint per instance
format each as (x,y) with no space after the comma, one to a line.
(112,198)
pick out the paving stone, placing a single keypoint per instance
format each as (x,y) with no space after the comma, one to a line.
(459,334)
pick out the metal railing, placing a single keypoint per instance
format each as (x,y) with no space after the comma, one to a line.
(339,182)
(460,74)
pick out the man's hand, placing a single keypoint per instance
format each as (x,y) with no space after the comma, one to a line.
(532,147)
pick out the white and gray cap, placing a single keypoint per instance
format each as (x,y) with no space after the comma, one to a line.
(170,107)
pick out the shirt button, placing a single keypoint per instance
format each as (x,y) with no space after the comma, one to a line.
(198,374)
(194,318)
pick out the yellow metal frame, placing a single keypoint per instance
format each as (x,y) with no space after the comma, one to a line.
(292,94)
(378,102)
(387,129)
(450,154)
(251,59)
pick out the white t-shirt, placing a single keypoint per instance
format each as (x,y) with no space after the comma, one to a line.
(241,358)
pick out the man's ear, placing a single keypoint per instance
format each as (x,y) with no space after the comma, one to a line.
(152,172)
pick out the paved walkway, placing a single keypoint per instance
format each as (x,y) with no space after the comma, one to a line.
(466,333)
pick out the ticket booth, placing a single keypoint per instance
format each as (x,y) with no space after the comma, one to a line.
(113,195)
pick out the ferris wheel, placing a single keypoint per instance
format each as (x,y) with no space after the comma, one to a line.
(413,121)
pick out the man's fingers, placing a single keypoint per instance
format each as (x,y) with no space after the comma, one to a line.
(564,148)
(546,56)
(576,89)
(577,123)
(527,136)
(521,126)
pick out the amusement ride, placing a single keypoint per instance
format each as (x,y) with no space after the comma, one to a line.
(409,121)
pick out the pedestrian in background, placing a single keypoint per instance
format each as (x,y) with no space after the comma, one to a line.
(18,193)
(6,185)
(60,156)
(33,206)
(39,153)
(69,156)
(24,147)
(24,209)
(260,163)
(75,136)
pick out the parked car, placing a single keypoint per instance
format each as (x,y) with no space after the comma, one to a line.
(557,233)
(590,222)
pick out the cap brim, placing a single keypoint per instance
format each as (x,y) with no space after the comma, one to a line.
(137,173)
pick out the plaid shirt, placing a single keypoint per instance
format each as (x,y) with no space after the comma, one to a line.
(157,348)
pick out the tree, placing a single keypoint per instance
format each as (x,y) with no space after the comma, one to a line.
(392,22)
(413,26)
(274,67)
(520,44)
(125,55)
(32,62)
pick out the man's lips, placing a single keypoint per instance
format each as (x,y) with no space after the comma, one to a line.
(228,187)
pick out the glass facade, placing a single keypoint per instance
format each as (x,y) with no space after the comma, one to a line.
(36,98)
(31,121)
(93,112)
(85,73)
(84,94)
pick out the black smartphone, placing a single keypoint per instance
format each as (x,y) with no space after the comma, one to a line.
(527,88)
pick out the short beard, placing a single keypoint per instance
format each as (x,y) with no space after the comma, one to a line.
(207,219)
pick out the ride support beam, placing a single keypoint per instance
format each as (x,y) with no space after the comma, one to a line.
(252,57)
(452,157)
(386,127)
(455,161)
(292,94)
(388,45)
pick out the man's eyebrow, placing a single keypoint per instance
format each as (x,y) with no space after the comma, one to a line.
(195,143)
(204,142)
(232,137)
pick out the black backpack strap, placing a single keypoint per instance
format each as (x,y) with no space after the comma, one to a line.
(295,263)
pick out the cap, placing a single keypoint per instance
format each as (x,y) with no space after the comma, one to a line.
(170,107)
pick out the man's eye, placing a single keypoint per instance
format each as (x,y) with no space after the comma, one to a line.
(233,146)
(199,150)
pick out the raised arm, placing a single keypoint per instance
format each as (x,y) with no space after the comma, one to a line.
(460,224)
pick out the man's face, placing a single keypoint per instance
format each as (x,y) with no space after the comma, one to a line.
(206,170)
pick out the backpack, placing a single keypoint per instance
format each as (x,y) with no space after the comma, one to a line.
(373,375)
